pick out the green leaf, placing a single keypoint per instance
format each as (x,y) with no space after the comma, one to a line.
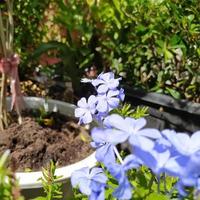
(173,93)
(90,2)
(40,198)
(155,196)
(118,7)
(191,17)
(45,47)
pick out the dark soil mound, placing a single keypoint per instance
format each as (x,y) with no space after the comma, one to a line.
(33,146)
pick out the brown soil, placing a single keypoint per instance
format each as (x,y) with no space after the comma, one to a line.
(33,146)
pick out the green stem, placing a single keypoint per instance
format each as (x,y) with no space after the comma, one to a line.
(3,110)
(118,155)
(158,184)
(165,183)
(151,182)
(10,30)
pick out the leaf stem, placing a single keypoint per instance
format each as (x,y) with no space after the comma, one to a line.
(118,155)
(158,186)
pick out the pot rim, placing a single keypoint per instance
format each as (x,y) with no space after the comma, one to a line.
(30,179)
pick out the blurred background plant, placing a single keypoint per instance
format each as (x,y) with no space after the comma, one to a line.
(153,44)
(8,185)
(9,189)
(29,16)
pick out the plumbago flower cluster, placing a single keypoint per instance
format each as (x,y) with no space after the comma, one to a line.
(108,98)
(163,152)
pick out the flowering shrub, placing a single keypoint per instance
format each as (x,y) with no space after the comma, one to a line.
(166,159)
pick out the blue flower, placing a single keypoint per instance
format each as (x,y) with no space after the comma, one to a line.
(124,189)
(183,143)
(105,150)
(129,129)
(121,95)
(105,82)
(186,168)
(90,182)
(152,155)
(86,109)
(108,101)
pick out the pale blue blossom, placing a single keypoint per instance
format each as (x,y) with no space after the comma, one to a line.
(86,110)
(108,101)
(118,171)
(90,182)
(129,129)
(105,82)
(184,143)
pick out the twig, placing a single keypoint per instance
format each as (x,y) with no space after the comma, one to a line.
(2,35)
(3,110)
(10,30)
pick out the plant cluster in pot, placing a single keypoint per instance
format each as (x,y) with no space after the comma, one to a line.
(9,61)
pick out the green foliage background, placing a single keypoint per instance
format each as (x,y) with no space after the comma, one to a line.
(28,15)
(155,43)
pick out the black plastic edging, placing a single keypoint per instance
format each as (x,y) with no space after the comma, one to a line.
(164,100)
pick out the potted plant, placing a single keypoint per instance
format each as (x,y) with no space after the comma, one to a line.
(9,62)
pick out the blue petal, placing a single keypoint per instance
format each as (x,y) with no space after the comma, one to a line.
(98,135)
(95,171)
(102,89)
(113,84)
(113,102)
(100,178)
(102,106)
(150,133)
(180,141)
(97,195)
(181,189)
(130,162)
(175,165)
(121,94)
(105,154)
(124,191)
(146,157)
(84,186)
(142,142)
(76,175)
(116,121)
(112,93)
(82,103)
(79,112)
(97,82)
(115,136)
(92,100)
(87,118)
(136,124)
(195,142)
(107,76)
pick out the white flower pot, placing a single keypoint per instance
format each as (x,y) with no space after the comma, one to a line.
(28,181)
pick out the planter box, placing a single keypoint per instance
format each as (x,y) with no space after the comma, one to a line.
(28,181)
